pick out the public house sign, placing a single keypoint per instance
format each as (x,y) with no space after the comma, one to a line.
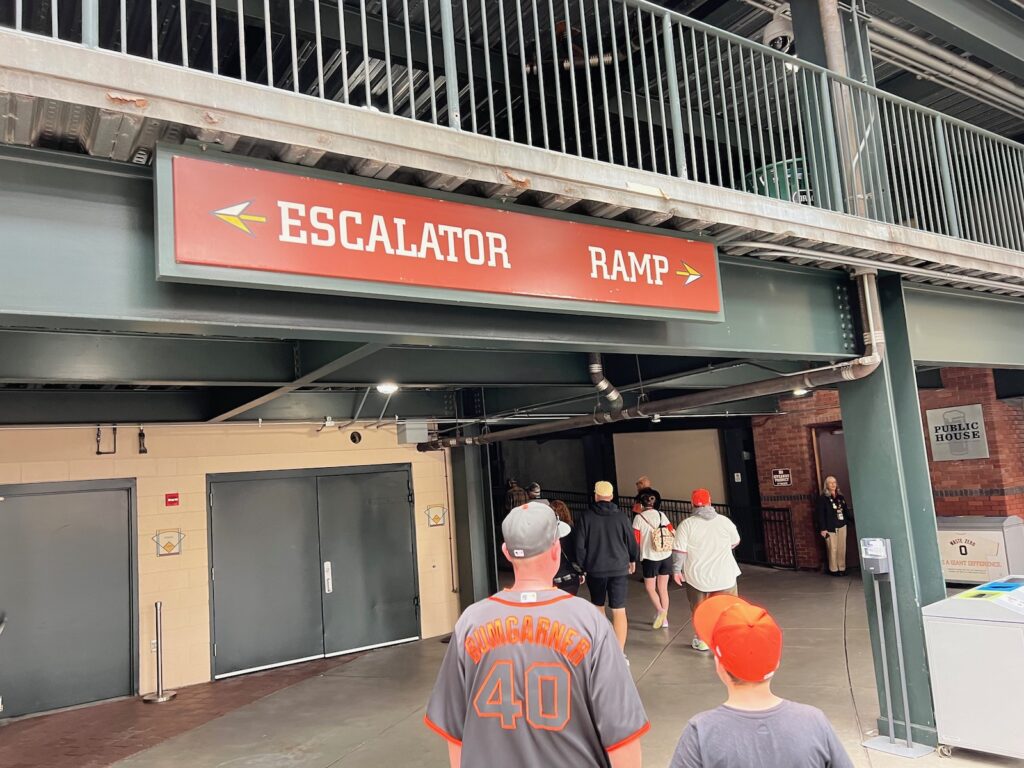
(273,226)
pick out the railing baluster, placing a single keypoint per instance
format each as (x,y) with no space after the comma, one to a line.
(687,105)
(431,79)
(183,27)
(522,69)
(154,50)
(214,38)
(410,76)
(709,74)
(675,111)
(293,40)
(485,25)
(508,78)
(91,23)
(268,40)
(555,67)
(632,86)
(242,63)
(571,54)
(661,95)
(699,88)
(947,183)
(451,65)
(604,79)
(618,85)
(319,42)
(470,79)
(589,80)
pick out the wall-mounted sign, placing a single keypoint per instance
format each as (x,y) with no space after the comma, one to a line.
(172,499)
(972,557)
(781,477)
(436,516)
(957,433)
(223,222)
(168,542)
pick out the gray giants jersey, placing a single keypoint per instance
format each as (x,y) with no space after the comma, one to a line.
(535,679)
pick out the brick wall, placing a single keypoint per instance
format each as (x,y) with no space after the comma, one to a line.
(993,486)
(786,441)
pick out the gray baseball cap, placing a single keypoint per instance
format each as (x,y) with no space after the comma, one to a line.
(531,529)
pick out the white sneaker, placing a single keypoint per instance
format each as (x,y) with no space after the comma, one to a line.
(699,645)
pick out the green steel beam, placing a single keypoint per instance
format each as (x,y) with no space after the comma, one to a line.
(963,328)
(979,27)
(96,271)
(22,407)
(52,406)
(889,473)
(39,357)
(420,367)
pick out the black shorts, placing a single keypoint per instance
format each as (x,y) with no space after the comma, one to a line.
(654,568)
(610,589)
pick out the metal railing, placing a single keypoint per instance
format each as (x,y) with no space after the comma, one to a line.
(766,533)
(617,81)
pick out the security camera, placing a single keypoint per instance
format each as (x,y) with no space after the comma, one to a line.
(779,32)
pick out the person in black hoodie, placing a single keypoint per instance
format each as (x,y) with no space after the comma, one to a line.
(607,551)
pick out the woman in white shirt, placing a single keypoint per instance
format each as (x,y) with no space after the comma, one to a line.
(654,534)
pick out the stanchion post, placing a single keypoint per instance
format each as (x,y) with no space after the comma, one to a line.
(161,695)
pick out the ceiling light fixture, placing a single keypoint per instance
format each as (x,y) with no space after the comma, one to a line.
(800,392)
(387,388)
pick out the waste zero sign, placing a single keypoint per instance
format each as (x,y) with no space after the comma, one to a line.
(228,223)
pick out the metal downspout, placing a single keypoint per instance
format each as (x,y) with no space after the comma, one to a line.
(874,350)
(601,383)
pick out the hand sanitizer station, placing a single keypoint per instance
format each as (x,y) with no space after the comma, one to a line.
(976,655)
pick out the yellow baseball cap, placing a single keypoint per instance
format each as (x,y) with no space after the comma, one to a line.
(604,488)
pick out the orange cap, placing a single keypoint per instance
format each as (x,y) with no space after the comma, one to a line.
(744,638)
(701,498)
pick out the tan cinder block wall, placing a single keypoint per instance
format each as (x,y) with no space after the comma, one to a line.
(178,461)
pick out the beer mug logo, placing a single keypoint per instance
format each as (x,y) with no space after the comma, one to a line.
(954,421)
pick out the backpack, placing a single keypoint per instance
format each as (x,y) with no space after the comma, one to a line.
(661,537)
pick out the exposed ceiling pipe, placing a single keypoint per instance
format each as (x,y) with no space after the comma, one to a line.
(874,349)
(937,62)
(601,383)
(973,70)
(926,59)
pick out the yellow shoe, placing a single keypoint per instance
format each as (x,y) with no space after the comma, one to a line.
(658,622)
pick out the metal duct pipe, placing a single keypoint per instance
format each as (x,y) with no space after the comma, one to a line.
(577,62)
(974,71)
(933,58)
(874,350)
(603,386)
(950,70)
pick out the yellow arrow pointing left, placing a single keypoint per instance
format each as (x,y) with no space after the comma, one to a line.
(236,216)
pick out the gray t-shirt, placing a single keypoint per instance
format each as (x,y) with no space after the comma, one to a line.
(535,679)
(789,735)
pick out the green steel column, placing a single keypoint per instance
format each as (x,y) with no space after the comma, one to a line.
(474,524)
(889,474)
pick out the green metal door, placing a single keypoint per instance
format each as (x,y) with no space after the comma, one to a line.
(266,574)
(370,596)
(66,589)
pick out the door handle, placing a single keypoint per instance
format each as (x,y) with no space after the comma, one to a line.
(328,580)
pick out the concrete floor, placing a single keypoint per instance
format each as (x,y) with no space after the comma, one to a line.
(368,713)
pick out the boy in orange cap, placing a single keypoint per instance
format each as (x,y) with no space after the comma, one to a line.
(754,728)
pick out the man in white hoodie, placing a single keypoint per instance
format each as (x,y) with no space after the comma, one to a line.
(703,555)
